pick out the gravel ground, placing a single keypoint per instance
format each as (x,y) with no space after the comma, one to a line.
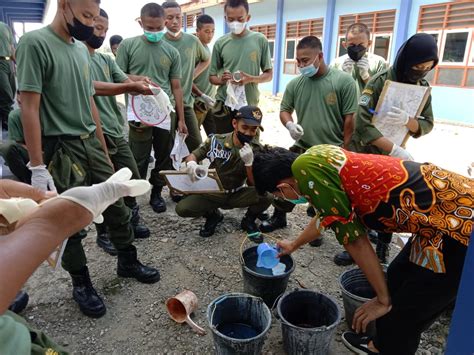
(136,321)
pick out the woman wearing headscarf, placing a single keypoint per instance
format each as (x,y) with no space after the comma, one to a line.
(414,60)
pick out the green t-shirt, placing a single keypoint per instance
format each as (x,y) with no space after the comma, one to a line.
(225,158)
(15,128)
(6,40)
(14,336)
(202,81)
(249,54)
(191,53)
(377,64)
(321,104)
(60,72)
(104,68)
(159,61)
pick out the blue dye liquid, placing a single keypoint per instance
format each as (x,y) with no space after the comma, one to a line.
(237,330)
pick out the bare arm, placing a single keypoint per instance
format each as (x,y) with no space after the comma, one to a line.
(250,179)
(285,117)
(32,126)
(178,97)
(383,143)
(139,78)
(197,91)
(266,76)
(33,241)
(98,132)
(200,68)
(220,80)
(348,129)
(127,87)
(190,157)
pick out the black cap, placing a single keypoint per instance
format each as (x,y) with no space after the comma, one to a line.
(251,115)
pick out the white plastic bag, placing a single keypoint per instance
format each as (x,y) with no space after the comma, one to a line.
(235,96)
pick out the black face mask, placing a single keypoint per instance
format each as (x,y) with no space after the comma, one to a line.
(356,52)
(79,31)
(243,138)
(412,76)
(95,42)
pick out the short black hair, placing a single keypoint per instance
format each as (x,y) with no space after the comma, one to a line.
(104,14)
(115,39)
(237,3)
(170,5)
(204,20)
(270,166)
(310,42)
(152,9)
(357,28)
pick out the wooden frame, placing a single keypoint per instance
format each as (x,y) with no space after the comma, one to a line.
(445,18)
(211,174)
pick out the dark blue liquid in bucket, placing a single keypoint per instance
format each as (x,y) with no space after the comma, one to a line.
(237,330)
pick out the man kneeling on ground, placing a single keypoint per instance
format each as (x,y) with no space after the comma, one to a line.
(231,154)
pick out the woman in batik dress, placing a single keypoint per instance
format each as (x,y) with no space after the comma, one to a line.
(352,192)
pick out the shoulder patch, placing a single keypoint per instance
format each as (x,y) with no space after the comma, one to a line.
(364,100)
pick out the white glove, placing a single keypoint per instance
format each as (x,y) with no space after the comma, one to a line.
(348,65)
(195,171)
(363,65)
(401,153)
(209,101)
(97,198)
(246,154)
(397,117)
(41,178)
(296,131)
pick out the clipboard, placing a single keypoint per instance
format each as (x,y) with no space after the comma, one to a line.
(410,98)
(179,182)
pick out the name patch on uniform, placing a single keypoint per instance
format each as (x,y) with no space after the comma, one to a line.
(364,100)
(217,151)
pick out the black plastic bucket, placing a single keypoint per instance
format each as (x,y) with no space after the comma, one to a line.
(261,282)
(356,290)
(308,321)
(239,323)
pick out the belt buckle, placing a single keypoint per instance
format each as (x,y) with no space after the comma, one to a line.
(84,136)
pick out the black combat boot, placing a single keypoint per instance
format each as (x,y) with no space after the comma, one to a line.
(85,295)
(382,250)
(343,259)
(248,224)
(140,230)
(156,201)
(20,302)
(277,221)
(213,218)
(129,266)
(103,240)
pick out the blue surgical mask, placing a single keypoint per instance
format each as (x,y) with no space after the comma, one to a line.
(154,37)
(310,70)
(300,201)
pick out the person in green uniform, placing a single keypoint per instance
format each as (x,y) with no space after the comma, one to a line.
(203,90)
(243,51)
(14,150)
(114,42)
(362,65)
(63,131)
(352,192)
(415,58)
(149,55)
(31,239)
(109,80)
(325,101)
(231,154)
(194,60)
(7,72)
(358,61)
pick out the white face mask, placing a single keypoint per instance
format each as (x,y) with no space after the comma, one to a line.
(237,27)
(174,34)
